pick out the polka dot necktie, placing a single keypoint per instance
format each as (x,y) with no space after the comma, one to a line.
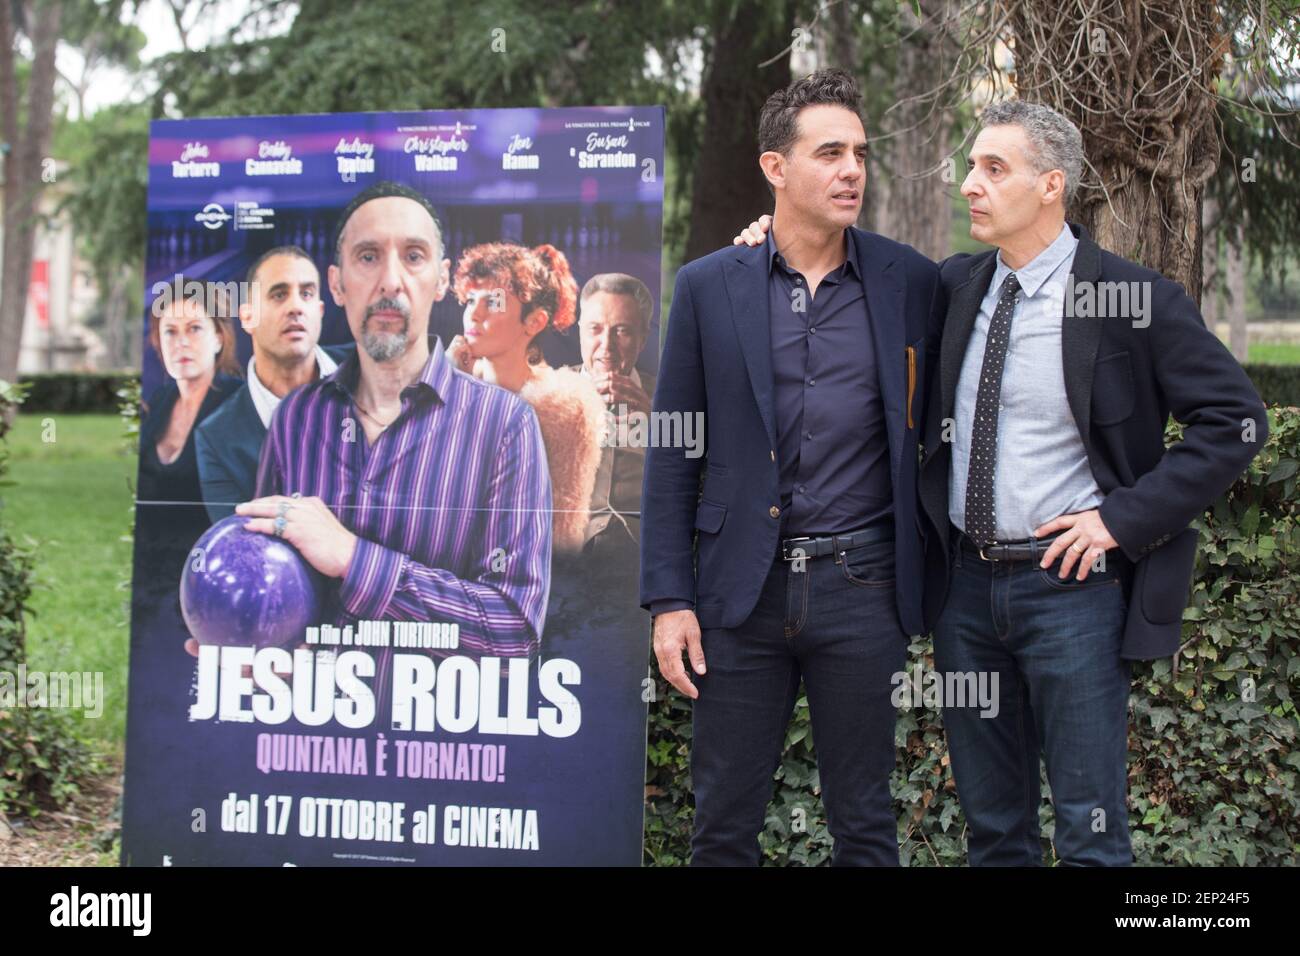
(981,522)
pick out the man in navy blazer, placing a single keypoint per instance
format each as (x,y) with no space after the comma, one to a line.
(283,319)
(792,548)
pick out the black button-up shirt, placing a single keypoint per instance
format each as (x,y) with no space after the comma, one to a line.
(832,448)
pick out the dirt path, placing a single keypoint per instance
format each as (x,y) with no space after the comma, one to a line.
(76,836)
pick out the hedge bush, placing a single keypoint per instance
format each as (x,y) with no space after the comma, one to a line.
(73,391)
(42,761)
(1212,732)
(1276,384)
(98,391)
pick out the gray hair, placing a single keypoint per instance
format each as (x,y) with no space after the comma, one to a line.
(620,283)
(1055,142)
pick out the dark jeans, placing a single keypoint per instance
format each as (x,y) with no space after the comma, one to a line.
(1063,689)
(834,624)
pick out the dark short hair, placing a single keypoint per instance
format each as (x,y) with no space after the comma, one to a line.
(778,124)
(383,190)
(290,250)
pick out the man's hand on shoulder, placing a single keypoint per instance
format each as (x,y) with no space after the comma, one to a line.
(755,234)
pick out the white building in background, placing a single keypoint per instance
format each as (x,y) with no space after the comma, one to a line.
(61,296)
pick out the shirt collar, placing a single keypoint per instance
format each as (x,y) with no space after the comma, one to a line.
(850,252)
(435,379)
(266,401)
(263,399)
(770,246)
(1039,269)
(324,364)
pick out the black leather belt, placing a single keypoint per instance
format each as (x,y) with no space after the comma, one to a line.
(1011,550)
(793,548)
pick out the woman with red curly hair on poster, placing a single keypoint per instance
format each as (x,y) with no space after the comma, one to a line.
(511,294)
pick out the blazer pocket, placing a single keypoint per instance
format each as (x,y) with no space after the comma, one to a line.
(709,516)
(1112,389)
(911,383)
(1167,577)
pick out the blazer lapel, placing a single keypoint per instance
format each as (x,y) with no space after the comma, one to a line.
(963,307)
(745,275)
(882,282)
(246,447)
(1080,338)
(250,421)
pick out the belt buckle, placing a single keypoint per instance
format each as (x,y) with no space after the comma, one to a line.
(785,549)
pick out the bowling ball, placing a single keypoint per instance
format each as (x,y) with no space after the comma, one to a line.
(248,589)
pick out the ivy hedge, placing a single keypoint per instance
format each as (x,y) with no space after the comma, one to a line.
(1212,760)
(73,391)
(1276,384)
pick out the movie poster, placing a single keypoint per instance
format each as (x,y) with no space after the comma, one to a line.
(422,344)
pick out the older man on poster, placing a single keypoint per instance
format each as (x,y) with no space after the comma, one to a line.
(615,310)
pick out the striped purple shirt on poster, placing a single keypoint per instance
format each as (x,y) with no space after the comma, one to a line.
(451,504)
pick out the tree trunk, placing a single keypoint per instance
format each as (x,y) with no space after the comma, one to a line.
(1211,305)
(114,316)
(1234,274)
(918,202)
(728,188)
(1138,80)
(23,183)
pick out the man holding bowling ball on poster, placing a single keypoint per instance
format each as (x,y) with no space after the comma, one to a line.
(418,492)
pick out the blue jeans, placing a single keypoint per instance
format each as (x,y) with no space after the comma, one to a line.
(1054,647)
(835,625)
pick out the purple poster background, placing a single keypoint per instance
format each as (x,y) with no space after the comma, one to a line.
(204,791)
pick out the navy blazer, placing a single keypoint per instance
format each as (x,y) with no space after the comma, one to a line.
(229,445)
(717,359)
(1121,382)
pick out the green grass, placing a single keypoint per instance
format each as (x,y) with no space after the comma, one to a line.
(1275,353)
(71,496)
